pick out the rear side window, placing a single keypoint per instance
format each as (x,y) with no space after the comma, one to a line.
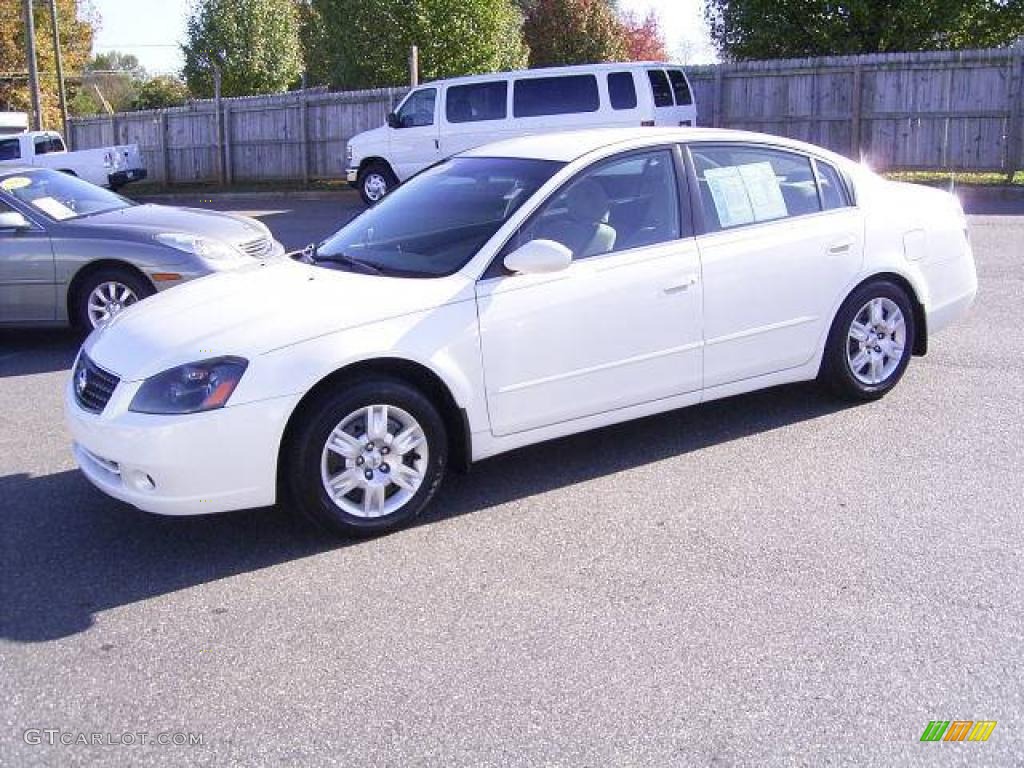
(660,87)
(621,90)
(538,96)
(46,144)
(477,101)
(9,149)
(680,88)
(833,191)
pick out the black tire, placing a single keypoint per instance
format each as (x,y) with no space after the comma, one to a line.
(140,287)
(302,483)
(837,371)
(370,177)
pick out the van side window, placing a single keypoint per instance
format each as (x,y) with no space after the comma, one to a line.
(477,101)
(742,185)
(536,96)
(680,88)
(9,149)
(621,90)
(418,109)
(660,87)
(833,191)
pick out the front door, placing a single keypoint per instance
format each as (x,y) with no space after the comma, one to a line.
(28,290)
(414,143)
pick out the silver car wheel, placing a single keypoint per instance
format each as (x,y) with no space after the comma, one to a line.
(375,186)
(107,300)
(876,342)
(374,461)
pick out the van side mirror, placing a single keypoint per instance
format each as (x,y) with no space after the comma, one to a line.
(538,257)
(12,221)
(393,120)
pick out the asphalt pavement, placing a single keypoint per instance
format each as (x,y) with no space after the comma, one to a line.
(773,579)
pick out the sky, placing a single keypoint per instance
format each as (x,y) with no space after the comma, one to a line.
(152,29)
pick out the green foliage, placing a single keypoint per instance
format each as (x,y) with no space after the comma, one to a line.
(255,42)
(765,29)
(161,91)
(574,32)
(365,43)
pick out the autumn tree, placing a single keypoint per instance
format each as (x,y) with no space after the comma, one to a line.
(365,43)
(254,42)
(644,40)
(764,29)
(75,24)
(573,32)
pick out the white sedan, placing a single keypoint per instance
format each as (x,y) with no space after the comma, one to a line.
(516,293)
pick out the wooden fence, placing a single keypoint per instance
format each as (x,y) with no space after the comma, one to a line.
(961,110)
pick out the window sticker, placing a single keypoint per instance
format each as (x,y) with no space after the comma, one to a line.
(15,182)
(730,196)
(764,191)
(53,208)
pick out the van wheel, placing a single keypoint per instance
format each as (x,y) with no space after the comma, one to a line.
(104,293)
(375,181)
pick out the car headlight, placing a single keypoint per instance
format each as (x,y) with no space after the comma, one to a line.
(349,154)
(192,388)
(205,247)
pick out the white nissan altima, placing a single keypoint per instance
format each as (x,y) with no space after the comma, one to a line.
(515,293)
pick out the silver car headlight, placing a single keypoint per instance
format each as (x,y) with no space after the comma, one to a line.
(204,247)
(201,386)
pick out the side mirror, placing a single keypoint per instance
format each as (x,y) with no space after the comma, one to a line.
(539,257)
(13,221)
(393,120)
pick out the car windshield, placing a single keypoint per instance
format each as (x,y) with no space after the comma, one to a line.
(60,196)
(433,224)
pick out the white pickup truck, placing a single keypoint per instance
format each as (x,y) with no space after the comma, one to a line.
(106,166)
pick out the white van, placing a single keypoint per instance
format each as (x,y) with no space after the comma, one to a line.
(444,117)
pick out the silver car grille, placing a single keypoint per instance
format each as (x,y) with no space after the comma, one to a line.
(257,248)
(93,386)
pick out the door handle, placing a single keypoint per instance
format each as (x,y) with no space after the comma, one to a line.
(843,246)
(687,281)
(437,143)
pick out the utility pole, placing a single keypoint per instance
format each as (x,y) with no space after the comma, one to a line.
(414,66)
(221,174)
(33,74)
(60,73)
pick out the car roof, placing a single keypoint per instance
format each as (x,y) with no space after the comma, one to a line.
(567,146)
(572,69)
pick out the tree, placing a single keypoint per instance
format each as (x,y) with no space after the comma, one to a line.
(117,76)
(161,91)
(764,29)
(76,29)
(573,32)
(365,43)
(255,43)
(644,40)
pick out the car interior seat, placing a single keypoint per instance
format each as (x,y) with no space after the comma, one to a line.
(584,228)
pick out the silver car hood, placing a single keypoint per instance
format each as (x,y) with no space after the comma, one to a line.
(157,219)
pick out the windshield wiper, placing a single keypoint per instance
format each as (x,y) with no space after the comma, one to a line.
(312,254)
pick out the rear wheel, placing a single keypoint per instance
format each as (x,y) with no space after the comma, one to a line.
(375,181)
(366,459)
(103,294)
(870,343)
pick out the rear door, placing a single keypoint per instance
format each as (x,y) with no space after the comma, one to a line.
(673,100)
(28,285)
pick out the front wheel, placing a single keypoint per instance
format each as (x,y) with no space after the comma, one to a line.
(106,292)
(870,343)
(375,181)
(366,459)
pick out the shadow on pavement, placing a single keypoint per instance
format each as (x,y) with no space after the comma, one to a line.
(27,352)
(69,552)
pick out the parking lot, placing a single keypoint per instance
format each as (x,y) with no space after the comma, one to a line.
(773,579)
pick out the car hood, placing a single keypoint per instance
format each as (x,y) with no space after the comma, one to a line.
(372,137)
(254,310)
(157,219)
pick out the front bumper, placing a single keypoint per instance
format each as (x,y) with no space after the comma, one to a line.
(120,178)
(180,465)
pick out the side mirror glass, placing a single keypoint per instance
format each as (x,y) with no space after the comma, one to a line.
(393,120)
(539,257)
(12,220)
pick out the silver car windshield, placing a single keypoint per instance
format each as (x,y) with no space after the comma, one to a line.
(434,223)
(60,196)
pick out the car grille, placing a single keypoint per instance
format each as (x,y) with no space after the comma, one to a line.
(257,248)
(93,386)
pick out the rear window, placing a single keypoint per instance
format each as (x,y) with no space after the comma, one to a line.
(46,144)
(9,149)
(680,88)
(538,96)
(476,102)
(621,90)
(660,88)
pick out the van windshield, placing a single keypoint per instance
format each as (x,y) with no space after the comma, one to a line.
(434,223)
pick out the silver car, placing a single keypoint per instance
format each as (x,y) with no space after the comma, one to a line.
(71,252)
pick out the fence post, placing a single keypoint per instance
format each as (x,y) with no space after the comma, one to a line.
(1015,128)
(718,107)
(229,154)
(856,109)
(165,164)
(304,134)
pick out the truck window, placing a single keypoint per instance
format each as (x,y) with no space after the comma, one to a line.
(418,109)
(9,149)
(660,87)
(536,96)
(46,144)
(680,88)
(477,101)
(621,90)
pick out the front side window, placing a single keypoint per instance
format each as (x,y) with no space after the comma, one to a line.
(619,204)
(621,90)
(660,88)
(436,222)
(568,94)
(680,88)
(10,149)
(476,102)
(747,185)
(418,109)
(61,196)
